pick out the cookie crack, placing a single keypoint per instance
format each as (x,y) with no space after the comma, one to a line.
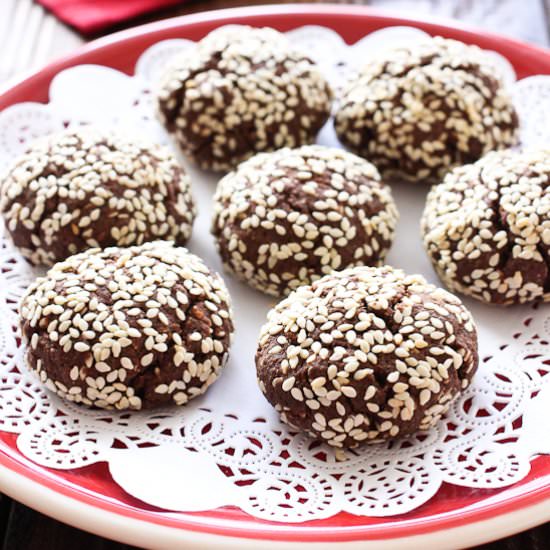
(499,223)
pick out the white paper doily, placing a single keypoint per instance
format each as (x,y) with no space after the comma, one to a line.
(228,447)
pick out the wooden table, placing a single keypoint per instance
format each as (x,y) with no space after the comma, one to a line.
(30,37)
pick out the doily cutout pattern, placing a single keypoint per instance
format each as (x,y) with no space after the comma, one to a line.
(230,439)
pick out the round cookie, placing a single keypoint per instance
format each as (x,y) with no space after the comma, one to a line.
(486,228)
(366,354)
(418,111)
(240,91)
(286,218)
(88,188)
(128,328)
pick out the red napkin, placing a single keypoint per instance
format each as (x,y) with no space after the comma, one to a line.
(90,16)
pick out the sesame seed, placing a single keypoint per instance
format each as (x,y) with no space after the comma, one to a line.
(288,383)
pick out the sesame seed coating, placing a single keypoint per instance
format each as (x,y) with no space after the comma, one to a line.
(240,91)
(128,328)
(89,188)
(486,228)
(286,218)
(366,354)
(418,111)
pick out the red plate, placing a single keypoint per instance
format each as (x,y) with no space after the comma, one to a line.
(88,497)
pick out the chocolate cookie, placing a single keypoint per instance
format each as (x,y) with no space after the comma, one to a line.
(418,111)
(239,91)
(286,218)
(366,354)
(128,328)
(89,188)
(486,228)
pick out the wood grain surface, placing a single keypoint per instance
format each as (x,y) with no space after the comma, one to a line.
(30,37)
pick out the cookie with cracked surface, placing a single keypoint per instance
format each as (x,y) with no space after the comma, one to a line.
(286,218)
(128,328)
(366,354)
(418,111)
(486,228)
(241,90)
(89,187)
